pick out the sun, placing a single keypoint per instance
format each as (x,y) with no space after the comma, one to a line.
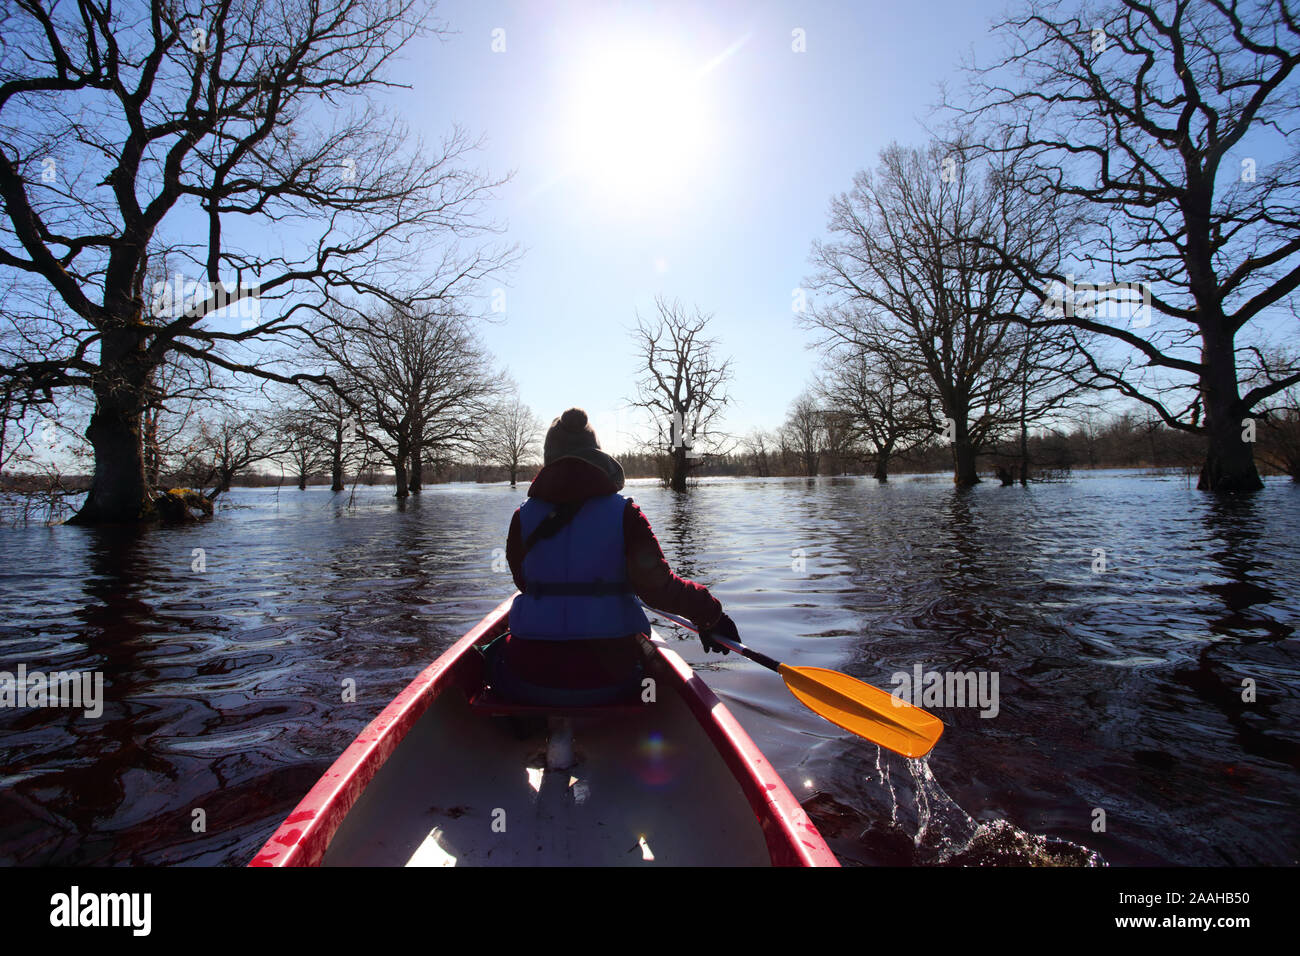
(637,125)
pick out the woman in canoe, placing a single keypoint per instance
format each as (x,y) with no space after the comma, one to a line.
(581,555)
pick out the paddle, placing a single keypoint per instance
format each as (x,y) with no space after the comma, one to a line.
(846,702)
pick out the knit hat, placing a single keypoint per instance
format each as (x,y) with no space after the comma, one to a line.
(570,436)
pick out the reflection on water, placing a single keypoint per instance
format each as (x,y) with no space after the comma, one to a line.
(225,648)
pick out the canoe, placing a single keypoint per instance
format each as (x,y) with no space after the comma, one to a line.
(448,776)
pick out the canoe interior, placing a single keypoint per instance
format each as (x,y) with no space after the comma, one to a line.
(462,789)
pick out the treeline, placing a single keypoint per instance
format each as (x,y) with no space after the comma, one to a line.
(1125,441)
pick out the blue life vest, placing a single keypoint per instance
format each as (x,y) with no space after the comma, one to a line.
(575,582)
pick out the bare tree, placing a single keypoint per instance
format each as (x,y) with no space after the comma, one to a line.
(224,446)
(1088,432)
(307,450)
(511,438)
(759,444)
(331,412)
(1280,438)
(785,452)
(421,382)
(912,278)
(455,391)
(884,408)
(41,450)
(682,383)
(19,420)
(27,410)
(1154,120)
(118,123)
(1278,431)
(841,438)
(176,388)
(805,432)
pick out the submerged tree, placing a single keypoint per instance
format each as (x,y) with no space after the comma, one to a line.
(122,123)
(682,383)
(759,446)
(331,414)
(1279,423)
(419,380)
(511,436)
(305,447)
(911,278)
(1172,128)
(805,432)
(225,445)
(886,411)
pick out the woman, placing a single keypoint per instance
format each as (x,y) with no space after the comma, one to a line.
(581,555)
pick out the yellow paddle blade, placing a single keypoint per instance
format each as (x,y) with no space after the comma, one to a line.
(864,710)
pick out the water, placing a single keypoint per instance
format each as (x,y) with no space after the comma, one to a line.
(1119,691)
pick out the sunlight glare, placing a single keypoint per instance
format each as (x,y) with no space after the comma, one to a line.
(638,126)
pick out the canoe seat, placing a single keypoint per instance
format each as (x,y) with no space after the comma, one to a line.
(484,701)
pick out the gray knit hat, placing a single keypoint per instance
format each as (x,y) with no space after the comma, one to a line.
(570,436)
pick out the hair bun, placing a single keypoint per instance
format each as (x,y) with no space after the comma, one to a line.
(575,419)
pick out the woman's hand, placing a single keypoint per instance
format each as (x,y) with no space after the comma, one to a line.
(725,628)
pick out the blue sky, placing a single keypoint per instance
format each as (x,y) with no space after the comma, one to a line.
(720,197)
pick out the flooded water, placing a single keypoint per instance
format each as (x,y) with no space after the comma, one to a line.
(1125,618)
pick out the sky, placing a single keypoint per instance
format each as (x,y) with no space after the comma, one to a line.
(688,150)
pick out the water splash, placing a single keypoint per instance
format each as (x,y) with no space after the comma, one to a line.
(925,827)
(948,836)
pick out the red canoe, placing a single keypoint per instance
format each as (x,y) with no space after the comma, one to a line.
(439,778)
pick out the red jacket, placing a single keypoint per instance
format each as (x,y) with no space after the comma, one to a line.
(591,663)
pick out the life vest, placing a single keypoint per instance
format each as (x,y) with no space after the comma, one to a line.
(575,582)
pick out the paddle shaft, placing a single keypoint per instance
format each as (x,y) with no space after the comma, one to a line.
(758,657)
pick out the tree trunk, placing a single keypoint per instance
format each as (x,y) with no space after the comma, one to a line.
(1024,425)
(514,473)
(152,453)
(336,465)
(399,467)
(119,492)
(680,467)
(882,463)
(1229,462)
(417,469)
(964,474)
(302,481)
(1024,452)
